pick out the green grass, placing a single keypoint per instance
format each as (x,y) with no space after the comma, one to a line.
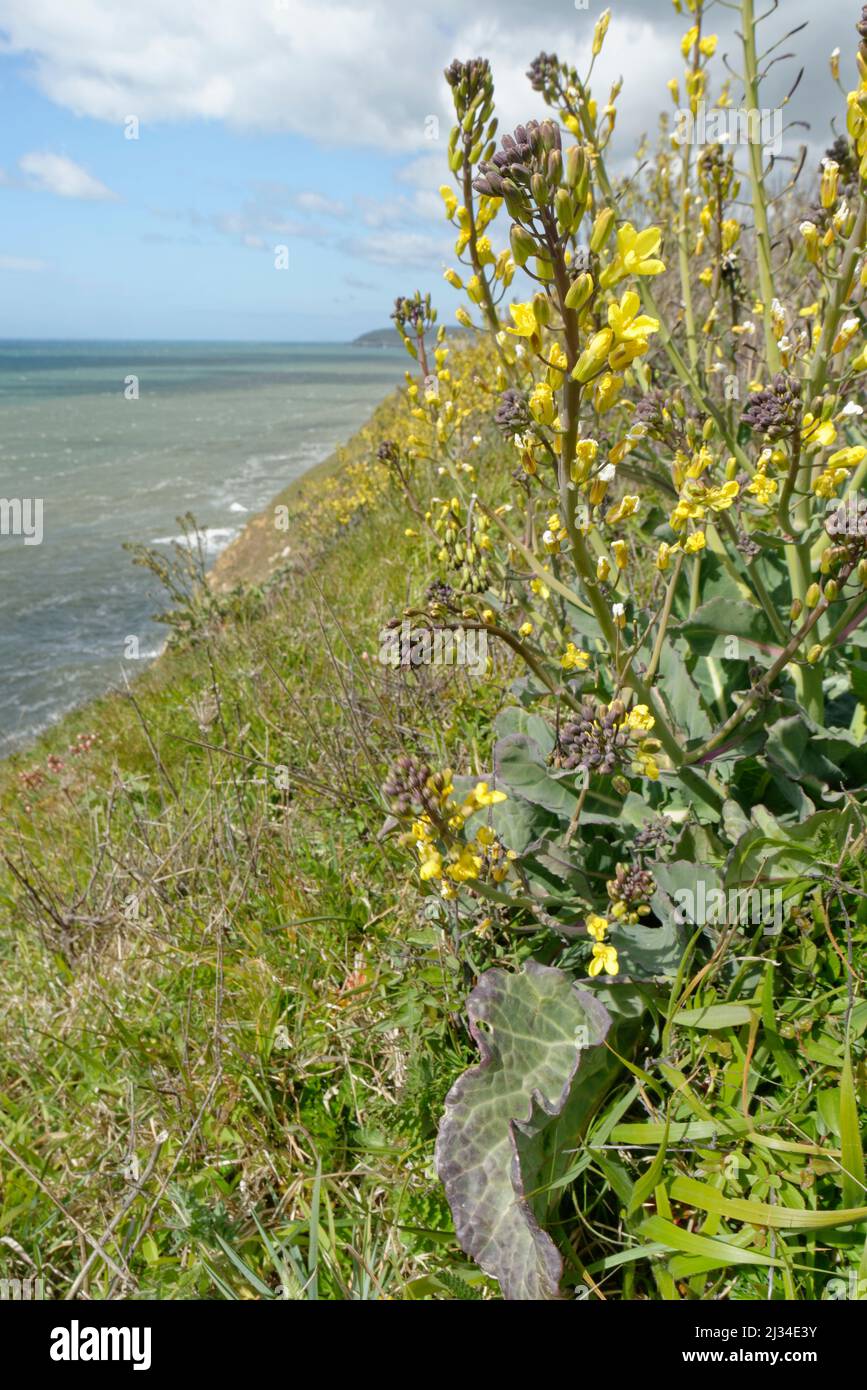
(227,1032)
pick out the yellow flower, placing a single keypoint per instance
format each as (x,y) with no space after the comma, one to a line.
(604,959)
(621,554)
(829,481)
(848,330)
(627,506)
(606,390)
(525,630)
(574,659)
(645,764)
(465,867)
(525,320)
(622,319)
(640,719)
(719,499)
(707,45)
(635,255)
(585,455)
(817,434)
(480,796)
(542,405)
(431,862)
(663,555)
(763,488)
(597,926)
(694,543)
(687,43)
(451,202)
(848,458)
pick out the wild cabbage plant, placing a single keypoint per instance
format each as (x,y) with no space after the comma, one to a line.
(676,364)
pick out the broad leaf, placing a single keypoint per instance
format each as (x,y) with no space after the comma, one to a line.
(522,771)
(510,1121)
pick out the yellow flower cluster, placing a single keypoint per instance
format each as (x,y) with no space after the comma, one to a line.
(444,857)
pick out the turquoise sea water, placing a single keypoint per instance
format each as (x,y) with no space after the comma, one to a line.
(217,429)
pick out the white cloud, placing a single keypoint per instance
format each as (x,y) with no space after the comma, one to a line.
(318,203)
(22,263)
(54,173)
(409,248)
(348,73)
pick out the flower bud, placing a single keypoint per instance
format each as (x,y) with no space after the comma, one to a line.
(602,228)
(542,308)
(599,31)
(523,244)
(554,170)
(796,610)
(812,595)
(862,571)
(814,653)
(832,589)
(539,189)
(592,359)
(575,162)
(579,291)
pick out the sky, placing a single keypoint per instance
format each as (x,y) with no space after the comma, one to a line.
(155,157)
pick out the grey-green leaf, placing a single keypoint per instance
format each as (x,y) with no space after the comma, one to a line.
(510,1121)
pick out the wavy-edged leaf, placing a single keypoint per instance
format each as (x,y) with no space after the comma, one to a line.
(510,1121)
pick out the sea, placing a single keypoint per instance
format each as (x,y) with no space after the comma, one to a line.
(107,442)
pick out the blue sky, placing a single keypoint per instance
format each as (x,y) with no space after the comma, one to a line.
(265,123)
